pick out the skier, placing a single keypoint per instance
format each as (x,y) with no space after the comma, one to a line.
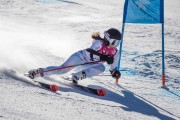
(102,50)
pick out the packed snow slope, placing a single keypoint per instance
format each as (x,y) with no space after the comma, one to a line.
(41,33)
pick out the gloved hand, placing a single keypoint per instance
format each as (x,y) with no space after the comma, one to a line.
(109,59)
(115,74)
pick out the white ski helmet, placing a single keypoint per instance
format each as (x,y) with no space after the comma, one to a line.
(112,36)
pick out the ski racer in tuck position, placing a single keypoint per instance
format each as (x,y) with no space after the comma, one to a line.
(102,50)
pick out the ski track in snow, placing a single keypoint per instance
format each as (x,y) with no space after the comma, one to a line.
(39,33)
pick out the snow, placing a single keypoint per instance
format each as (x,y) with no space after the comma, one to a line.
(40,33)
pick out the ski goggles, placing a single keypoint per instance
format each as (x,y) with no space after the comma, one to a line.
(113,42)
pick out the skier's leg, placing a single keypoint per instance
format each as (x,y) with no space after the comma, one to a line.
(89,72)
(74,59)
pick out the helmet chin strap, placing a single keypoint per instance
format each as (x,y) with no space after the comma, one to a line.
(106,42)
(112,46)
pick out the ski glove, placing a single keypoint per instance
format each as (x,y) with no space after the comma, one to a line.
(116,74)
(109,59)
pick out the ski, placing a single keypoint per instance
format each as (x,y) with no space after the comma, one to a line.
(51,87)
(54,88)
(99,92)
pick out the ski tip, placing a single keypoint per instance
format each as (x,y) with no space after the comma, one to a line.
(53,88)
(101,92)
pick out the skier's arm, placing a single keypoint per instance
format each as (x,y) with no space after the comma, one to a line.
(114,67)
(109,59)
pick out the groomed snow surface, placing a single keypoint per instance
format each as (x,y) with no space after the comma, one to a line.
(41,33)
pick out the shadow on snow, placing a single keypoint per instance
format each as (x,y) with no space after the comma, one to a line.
(131,101)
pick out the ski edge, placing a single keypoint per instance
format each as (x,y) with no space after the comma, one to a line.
(51,87)
(99,92)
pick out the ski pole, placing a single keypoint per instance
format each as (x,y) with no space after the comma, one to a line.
(94,62)
(117,80)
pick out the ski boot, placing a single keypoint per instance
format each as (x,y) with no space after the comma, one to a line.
(78,76)
(34,72)
(75,79)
